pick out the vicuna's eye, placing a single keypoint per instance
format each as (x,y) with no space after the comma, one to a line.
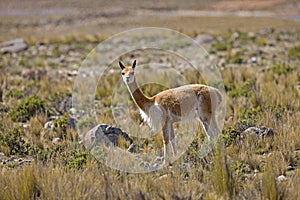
(123,73)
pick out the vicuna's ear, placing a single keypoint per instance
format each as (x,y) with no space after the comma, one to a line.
(133,64)
(121,65)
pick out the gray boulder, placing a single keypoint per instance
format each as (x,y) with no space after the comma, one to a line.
(107,135)
(13,46)
(281,178)
(258,132)
(204,39)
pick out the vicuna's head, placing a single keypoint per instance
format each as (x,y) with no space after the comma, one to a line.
(128,72)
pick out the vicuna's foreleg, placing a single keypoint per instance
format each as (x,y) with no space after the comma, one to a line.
(168,138)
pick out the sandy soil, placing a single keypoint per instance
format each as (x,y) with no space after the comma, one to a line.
(52,19)
(234,5)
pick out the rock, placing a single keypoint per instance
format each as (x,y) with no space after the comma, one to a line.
(55,140)
(40,43)
(253,59)
(259,132)
(26,125)
(235,36)
(57,61)
(49,125)
(281,178)
(132,148)
(251,35)
(72,111)
(72,123)
(33,74)
(24,161)
(14,161)
(222,62)
(61,104)
(204,39)
(260,52)
(72,73)
(29,74)
(65,105)
(162,177)
(2,157)
(105,134)
(12,42)
(13,46)
(289,168)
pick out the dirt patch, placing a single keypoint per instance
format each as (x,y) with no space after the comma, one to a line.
(52,19)
(245,4)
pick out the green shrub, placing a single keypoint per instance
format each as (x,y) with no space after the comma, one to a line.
(232,132)
(229,135)
(56,52)
(45,154)
(240,169)
(61,124)
(220,46)
(260,42)
(76,160)
(18,94)
(14,143)
(237,57)
(237,60)
(252,114)
(245,90)
(282,69)
(27,108)
(294,52)
(24,62)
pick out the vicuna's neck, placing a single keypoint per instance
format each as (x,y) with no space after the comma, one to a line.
(138,96)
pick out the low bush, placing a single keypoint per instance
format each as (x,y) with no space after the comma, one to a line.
(294,52)
(18,94)
(12,143)
(282,69)
(27,108)
(76,159)
(220,46)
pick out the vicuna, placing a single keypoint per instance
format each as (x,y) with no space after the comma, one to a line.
(174,105)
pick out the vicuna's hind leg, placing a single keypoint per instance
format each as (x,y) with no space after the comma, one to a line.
(168,137)
(208,118)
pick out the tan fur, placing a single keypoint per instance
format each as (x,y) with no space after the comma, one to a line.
(174,105)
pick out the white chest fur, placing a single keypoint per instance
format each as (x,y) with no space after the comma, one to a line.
(153,117)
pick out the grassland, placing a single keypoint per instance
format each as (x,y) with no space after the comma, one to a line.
(39,163)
